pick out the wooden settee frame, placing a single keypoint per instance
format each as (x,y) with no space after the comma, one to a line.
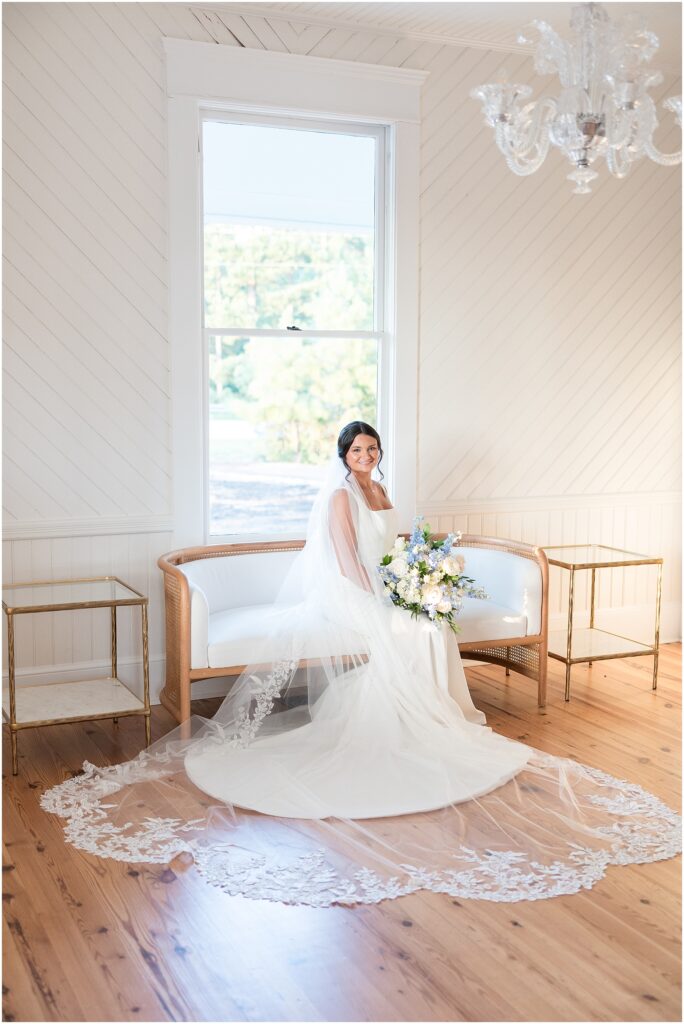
(526,654)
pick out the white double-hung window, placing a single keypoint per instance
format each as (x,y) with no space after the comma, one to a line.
(293,217)
(293,273)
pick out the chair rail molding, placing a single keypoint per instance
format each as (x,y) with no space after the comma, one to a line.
(38,529)
(548,501)
(207,77)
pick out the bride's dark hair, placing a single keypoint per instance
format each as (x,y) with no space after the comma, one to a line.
(346,439)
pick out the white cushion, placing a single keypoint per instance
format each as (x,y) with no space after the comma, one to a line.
(235,633)
(512,581)
(199,626)
(226,590)
(485,620)
(233,581)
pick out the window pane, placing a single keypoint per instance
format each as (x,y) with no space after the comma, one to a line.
(276,407)
(289,227)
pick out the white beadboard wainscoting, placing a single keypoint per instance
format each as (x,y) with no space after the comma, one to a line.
(625,597)
(549,345)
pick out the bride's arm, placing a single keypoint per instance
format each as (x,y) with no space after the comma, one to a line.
(343,535)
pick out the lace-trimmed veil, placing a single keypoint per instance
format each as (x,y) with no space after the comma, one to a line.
(332,682)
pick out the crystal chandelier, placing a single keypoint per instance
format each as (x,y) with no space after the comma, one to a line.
(603,109)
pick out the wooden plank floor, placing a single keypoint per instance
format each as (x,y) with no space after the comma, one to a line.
(87,939)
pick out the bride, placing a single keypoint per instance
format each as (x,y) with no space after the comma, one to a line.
(348,763)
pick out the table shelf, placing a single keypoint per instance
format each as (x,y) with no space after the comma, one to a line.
(82,699)
(592,644)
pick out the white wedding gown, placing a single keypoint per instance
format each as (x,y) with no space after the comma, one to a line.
(354,779)
(380,743)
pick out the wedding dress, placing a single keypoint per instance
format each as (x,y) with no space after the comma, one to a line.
(364,772)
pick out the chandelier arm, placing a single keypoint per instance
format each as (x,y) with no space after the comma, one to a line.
(664,159)
(617,163)
(521,163)
(524,141)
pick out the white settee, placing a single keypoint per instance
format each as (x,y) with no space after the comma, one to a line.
(217,604)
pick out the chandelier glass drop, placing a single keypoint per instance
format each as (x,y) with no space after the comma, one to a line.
(603,109)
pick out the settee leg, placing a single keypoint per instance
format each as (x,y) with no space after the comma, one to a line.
(541,685)
(173,701)
(508,654)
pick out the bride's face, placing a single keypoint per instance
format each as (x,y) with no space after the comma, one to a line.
(363,454)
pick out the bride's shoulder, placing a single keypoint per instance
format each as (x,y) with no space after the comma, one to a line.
(340,497)
(344,501)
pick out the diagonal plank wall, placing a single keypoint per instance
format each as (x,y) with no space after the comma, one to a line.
(549,379)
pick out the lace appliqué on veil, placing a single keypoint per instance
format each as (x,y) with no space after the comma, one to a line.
(81,801)
(644,829)
(265,693)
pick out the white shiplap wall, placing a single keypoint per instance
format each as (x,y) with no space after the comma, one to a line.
(549,372)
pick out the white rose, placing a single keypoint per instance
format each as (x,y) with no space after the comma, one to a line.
(444,606)
(431,595)
(398,566)
(400,544)
(453,565)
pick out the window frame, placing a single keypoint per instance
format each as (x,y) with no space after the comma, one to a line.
(204,76)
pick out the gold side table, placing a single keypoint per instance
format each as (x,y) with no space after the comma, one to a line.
(78,700)
(587,645)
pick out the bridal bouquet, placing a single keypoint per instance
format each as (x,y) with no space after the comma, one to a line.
(426,576)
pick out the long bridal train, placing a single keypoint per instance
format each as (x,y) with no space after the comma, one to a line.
(361,778)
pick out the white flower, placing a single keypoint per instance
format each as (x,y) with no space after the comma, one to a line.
(400,544)
(431,595)
(444,606)
(398,566)
(453,565)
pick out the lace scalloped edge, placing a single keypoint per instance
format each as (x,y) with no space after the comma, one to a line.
(648,831)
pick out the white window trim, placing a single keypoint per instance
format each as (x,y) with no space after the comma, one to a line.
(243,80)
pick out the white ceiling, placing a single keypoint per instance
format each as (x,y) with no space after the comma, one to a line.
(490,25)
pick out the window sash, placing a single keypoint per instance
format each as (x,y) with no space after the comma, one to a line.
(379,133)
(275,332)
(382,373)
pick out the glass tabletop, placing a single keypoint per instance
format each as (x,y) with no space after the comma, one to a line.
(589,555)
(67,594)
